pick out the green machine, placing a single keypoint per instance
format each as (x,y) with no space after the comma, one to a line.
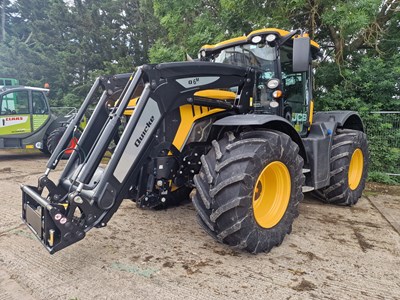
(8,82)
(26,121)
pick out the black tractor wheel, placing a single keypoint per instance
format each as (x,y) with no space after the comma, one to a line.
(249,188)
(349,168)
(54,138)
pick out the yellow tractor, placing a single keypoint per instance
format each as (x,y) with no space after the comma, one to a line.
(235,129)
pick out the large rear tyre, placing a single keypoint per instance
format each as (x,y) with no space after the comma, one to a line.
(54,138)
(349,168)
(249,188)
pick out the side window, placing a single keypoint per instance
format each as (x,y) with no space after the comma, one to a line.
(14,103)
(39,103)
(3,105)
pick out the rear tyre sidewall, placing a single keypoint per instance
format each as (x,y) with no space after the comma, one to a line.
(339,192)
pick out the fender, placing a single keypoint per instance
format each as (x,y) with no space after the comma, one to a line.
(319,141)
(265,121)
(342,119)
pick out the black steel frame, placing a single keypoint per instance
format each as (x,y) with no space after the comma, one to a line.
(94,192)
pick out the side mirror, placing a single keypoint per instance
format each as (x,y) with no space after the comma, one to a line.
(301,54)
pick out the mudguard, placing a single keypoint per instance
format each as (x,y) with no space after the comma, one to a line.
(318,143)
(265,121)
(342,119)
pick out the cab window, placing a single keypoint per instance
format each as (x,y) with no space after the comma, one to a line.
(39,104)
(14,103)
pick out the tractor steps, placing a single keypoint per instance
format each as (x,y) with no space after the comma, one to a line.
(306,188)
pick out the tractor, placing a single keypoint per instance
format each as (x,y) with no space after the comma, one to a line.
(234,130)
(26,120)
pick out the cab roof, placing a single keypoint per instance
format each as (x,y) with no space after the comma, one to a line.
(244,39)
(21,88)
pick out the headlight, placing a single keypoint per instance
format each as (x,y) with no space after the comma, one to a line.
(270,38)
(256,39)
(274,104)
(273,83)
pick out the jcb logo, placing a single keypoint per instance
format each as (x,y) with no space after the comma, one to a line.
(299,117)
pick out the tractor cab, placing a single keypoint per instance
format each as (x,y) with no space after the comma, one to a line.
(282,61)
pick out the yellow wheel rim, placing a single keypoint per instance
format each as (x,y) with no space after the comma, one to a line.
(271,194)
(356,168)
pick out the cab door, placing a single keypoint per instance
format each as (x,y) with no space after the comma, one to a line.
(40,109)
(15,117)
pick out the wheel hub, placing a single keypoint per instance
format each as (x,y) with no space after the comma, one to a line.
(271,194)
(356,169)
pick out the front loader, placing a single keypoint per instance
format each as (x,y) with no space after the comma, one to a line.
(236,127)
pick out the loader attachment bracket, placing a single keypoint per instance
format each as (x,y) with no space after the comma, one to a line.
(58,225)
(49,223)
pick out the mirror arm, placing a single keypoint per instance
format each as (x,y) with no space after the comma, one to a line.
(291,34)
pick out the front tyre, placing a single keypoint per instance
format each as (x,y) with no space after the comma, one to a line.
(249,188)
(349,168)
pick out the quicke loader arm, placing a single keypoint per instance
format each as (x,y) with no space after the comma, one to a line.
(86,194)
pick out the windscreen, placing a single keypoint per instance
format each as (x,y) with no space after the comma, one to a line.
(260,57)
(263,59)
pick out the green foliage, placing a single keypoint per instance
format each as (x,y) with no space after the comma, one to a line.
(69,43)
(188,25)
(383,178)
(384,148)
(350,16)
(161,53)
(369,81)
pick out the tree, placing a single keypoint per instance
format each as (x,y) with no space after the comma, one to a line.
(68,44)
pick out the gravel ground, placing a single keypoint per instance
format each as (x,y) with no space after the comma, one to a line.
(332,253)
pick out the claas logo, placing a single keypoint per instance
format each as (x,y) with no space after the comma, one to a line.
(9,121)
(14,119)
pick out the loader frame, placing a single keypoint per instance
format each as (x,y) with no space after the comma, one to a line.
(96,193)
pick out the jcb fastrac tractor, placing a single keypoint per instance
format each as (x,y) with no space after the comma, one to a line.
(235,130)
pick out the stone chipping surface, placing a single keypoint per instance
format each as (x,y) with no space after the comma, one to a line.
(332,252)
